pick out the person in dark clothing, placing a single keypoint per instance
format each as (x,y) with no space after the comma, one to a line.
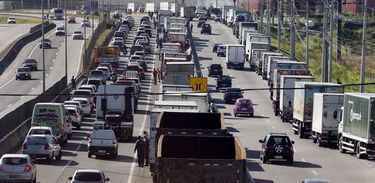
(73,82)
(140,148)
(147,143)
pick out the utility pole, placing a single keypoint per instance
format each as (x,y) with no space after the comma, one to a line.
(66,42)
(269,23)
(43,52)
(324,46)
(292,36)
(261,16)
(363,59)
(339,34)
(279,11)
(331,42)
(307,34)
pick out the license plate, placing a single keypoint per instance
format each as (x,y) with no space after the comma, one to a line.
(278,157)
(224,84)
(13,176)
(101,151)
(243,109)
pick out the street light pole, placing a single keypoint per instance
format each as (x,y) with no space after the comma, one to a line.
(66,41)
(43,53)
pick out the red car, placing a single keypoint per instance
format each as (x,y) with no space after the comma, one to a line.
(243,106)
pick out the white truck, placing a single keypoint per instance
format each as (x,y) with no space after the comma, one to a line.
(235,56)
(150,7)
(254,37)
(264,58)
(175,105)
(266,61)
(178,73)
(255,57)
(255,45)
(131,6)
(303,104)
(200,98)
(244,33)
(283,63)
(324,124)
(164,6)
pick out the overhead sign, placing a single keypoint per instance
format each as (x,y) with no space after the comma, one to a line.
(199,84)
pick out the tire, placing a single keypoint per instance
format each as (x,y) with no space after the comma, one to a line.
(300,131)
(276,112)
(235,114)
(89,155)
(49,159)
(341,150)
(313,139)
(251,114)
(357,152)
(58,157)
(320,143)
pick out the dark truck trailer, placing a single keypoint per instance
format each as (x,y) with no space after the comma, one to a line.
(186,159)
(187,123)
(357,126)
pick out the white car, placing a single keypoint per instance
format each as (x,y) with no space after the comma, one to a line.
(88,175)
(85,23)
(75,116)
(106,72)
(88,87)
(74,103)
(11,20)
(134,58)
(140,53)
(60,30)
(17,167)
(86,106)
(40,130)
(77,35)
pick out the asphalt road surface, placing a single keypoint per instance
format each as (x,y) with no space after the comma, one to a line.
(11,32)
(311,161)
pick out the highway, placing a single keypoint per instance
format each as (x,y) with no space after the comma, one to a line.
(311,161)
(123,169)
(54,64)
(11,32)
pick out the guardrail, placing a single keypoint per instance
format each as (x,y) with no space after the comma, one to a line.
(195,54)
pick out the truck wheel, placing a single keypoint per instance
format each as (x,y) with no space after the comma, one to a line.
(89,155)
(300,131)
(341,150)
(319,141)
(276,112)
(357,151)
(313,139)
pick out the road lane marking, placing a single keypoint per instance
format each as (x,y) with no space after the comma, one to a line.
(314,172)
(70,161)
(54,60)
(143,126)
(9,105)
(272,127)
(22,96)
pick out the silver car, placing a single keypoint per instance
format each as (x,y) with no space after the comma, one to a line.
(42,146)
(88,176)
(17,167)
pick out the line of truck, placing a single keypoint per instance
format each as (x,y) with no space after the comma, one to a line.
(318,110)
(188,142)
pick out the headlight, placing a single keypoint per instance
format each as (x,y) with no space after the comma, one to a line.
(26,74)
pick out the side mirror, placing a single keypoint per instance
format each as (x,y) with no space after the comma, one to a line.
(260,141)
(70,178)
(107,179)
(292,142)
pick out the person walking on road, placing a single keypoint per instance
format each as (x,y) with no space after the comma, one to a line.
(73,82)
(155,74)
(147,143)
(140,148)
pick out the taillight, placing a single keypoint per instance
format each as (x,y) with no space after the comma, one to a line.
(46,146)
(24,146)
(265,148)
(291,149)
(1,168)
(27,168)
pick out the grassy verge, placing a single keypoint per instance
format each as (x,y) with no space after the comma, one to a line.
(345,74)
(3,20)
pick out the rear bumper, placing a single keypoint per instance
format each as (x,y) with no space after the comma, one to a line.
(16,177)
(102,150)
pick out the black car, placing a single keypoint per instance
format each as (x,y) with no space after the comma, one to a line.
(215,70)
(277,146)
(201,21)
(231,95)
(206,29)
(223,81)
(215,47)
(23,73)
(30,63)
(47,44)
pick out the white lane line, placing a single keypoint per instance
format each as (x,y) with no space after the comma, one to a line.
(294,149)
(70,161)
(272,127)
(142,128)
(9,105)
(303,160)
(54,60)
(50,68)
(314,172)
(22,96)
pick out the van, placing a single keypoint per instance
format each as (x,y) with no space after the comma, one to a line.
(53,115)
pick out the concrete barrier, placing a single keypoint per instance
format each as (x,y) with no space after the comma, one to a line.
(8,55)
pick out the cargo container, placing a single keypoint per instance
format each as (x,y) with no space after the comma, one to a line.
(324,124)
(245,25)
(265,63)
(235,56)
(200,98)
(248,32)
(164,6)
(284,98)
(283,63)
(255,45)
(303,104)
(187,159)
(150,7)
(264,58)
(357,125)
(255,57)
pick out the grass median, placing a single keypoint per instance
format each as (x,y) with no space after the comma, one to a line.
(4,19)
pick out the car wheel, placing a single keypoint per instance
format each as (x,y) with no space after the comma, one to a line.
(58,157)
(49,159)
(300,131)
(89,155)
(357,152)
(251,114)
(235,114)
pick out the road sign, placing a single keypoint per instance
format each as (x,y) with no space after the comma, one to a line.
(199,84)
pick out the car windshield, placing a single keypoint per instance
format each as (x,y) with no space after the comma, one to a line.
(233,90)
(96,73)
(82,101)
(206,25)
(40,131)
(30,61)
(11,18)
(77,32)
(23,70)
(224,78)
(60,28)
(222,47)
(278,140)
(103,69)
(85,93)
(215,66)
(87,176)
(36,140)
(14,161)
(244,102)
